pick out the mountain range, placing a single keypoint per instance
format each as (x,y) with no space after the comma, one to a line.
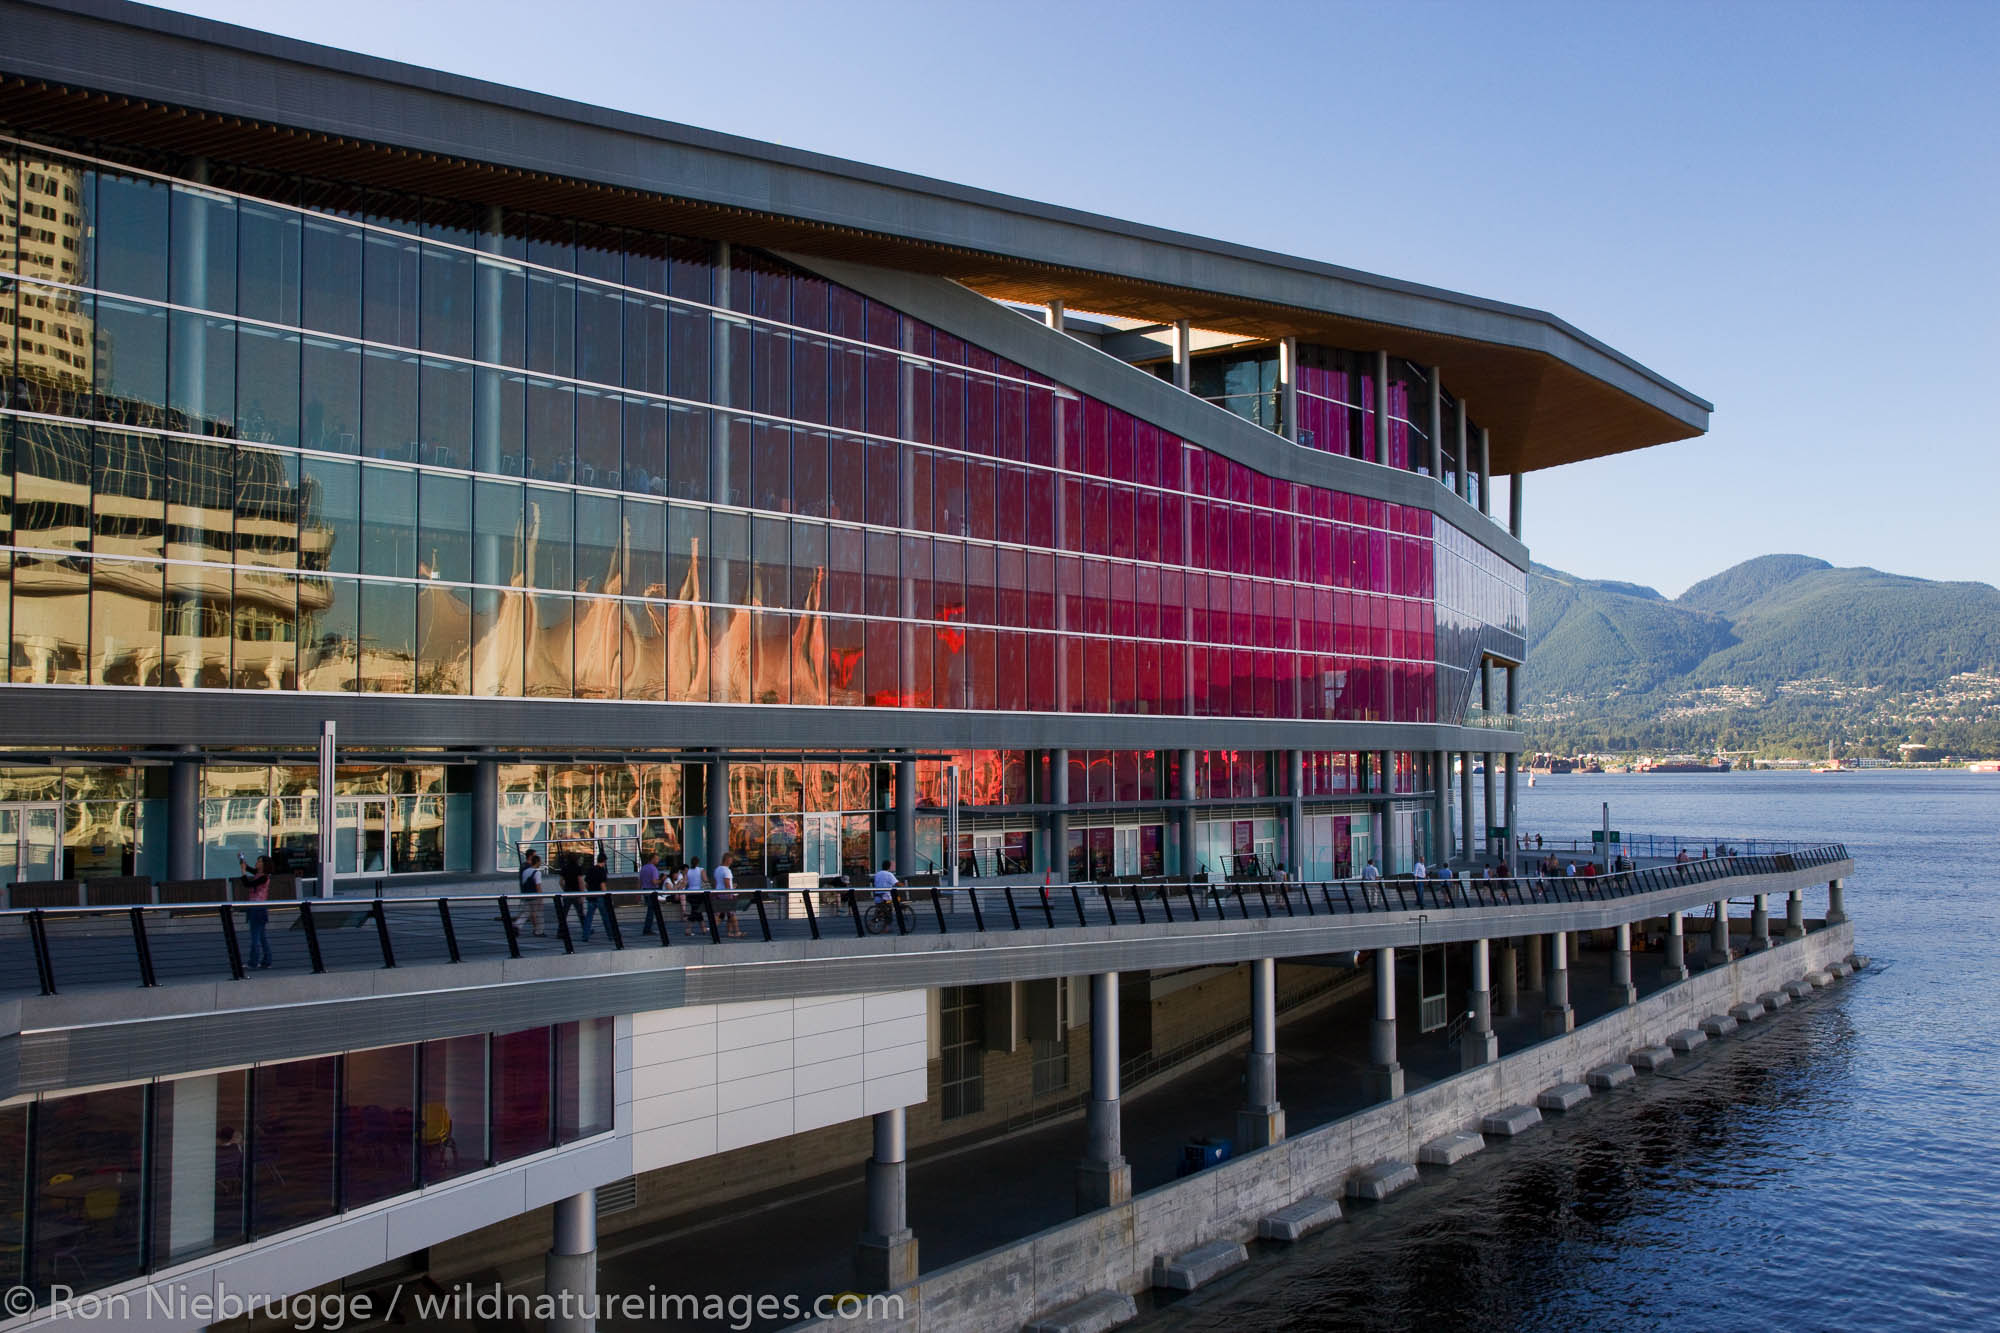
(1781,654)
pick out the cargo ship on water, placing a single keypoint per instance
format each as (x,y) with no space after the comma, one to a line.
(1684,766)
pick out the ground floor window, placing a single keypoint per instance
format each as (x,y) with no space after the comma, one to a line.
(961,1037)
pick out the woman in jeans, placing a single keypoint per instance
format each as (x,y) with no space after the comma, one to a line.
(257,890)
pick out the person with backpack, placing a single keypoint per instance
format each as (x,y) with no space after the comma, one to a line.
(531,884)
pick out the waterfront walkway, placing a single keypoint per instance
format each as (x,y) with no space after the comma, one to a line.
(968,1197)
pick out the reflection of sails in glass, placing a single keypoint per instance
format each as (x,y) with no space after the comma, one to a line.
(809,647)
(497,666)
(687,636)
(599,630)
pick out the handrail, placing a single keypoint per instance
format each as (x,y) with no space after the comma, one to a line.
(209,941)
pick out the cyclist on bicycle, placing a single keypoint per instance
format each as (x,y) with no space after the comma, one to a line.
(885,883)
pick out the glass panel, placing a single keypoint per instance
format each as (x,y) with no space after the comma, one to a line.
(451,1120)
(583,1079)
(378,1125)
(521,1093)
(292,1158)
(199,1166)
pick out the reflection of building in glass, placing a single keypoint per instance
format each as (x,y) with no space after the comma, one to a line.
(565,482)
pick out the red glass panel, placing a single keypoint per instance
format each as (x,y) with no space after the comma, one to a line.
(948,505)
(1010,671)
(1074,698)
(1242,684)
(1041,426)
(1041,509)
(1123,612)
(1096,431)
(846,645)
(878,674)
(1042,677)
(1097,675)
(1173,680)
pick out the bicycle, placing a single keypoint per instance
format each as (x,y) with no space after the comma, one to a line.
(879,918)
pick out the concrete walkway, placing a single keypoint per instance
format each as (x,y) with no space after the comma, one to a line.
(969,1197)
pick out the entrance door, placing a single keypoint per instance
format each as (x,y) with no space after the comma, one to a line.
(618,839)
(1125,852)
(822,845)
(30,841)
(361,835)
(986,848)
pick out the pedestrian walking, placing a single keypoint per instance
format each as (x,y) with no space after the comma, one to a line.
(594,880)
(694,900)
(649,883)
(531,886)
(725,895)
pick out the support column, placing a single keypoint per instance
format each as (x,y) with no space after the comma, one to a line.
(1537,955)
(1836,902)
(1459,485)
(1190,863)
(1490,784)
(1623,992)
(1479,1044)
(1380,444)
(569,1272)
(1510,776)
(1058,820)
(1295,814)
(1468,848)
(1103,1177)
(184,819)
(1510,980)
(718,440)
(718,813)
(1261,1122)
(485,816)
(1718,935)
(1288,388)
(1440,849)
(1557,1016)
(1183,356)
(1514,502)
(1054,317)
(1385,1074)
(886,1258)
(1760,922)
(1485,470)
(906,818)
(1437,423)
(1675,967)
(1795,915)
(490,338)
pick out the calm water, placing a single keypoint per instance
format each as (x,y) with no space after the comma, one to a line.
(1837,1168)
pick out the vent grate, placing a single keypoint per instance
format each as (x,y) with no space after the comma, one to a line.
(620,1196)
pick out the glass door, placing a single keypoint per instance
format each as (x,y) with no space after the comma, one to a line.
(1125,854)
(361,835)
(822,845)
(618,839)
(30,841)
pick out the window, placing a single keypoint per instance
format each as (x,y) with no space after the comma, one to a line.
(961,1035)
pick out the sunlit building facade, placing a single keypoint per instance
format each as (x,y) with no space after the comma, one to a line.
(588,523)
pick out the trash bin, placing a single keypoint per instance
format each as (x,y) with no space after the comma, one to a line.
(1198,1154)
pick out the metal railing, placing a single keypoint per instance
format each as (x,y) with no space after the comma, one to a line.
(47,950)
(1664,846)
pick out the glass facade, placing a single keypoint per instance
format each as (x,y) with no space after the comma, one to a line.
(274,434)
(107,1185)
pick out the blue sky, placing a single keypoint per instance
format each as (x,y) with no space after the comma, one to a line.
(1789,209)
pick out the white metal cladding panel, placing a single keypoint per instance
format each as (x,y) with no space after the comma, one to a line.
(709,1078)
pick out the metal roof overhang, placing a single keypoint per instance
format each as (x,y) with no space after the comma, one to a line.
(103,69)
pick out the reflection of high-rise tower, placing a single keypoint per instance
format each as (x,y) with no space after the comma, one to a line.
(44,332)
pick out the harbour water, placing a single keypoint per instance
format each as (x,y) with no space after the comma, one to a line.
(1834,1168)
